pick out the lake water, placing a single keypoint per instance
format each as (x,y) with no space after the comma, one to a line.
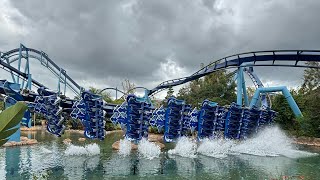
(269,156)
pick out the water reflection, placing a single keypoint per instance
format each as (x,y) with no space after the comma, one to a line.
(117,166)
(214,166)
(2,164)
(184,166)
(148,167)
(272,166)
(12,156)
(74,167)
(49,158)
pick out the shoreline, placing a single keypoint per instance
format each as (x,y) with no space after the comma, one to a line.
(39,128)
(309,141)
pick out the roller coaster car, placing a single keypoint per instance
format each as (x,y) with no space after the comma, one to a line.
(175,102)
(207,114)
(95,103)
(45,92)
(28,95)
(89,96)
(207,123)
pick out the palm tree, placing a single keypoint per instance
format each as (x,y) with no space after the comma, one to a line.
(10,118)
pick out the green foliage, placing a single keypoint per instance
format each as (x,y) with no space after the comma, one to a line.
(311,77)
(285,116)
(2,105)
(169,94)
(307,98)
(118,101)
(9,118)
(154,130)
(310,123)
(218,87)
(105,96)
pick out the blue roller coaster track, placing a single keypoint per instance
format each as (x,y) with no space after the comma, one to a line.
(18,54)
(258,58)
(137,113)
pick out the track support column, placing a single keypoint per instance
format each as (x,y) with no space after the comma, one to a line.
(239,85)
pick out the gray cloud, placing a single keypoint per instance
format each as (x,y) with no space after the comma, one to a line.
(103,42)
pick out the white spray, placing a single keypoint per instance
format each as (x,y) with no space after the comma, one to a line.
(148,149)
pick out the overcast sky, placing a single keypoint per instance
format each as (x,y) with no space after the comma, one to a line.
(101,43)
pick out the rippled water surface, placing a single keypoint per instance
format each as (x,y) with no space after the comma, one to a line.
(269,156)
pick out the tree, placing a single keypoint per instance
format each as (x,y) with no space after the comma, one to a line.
(169,94)
(105,95)
(285,117)
(218,87)
(311,77)
(128,87)
(307,98)
(250,92)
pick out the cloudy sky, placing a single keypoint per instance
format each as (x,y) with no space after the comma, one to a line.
(101,43)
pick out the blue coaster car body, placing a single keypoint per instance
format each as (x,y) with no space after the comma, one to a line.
(89,109)
(207,120)
(137,118)
(177,119)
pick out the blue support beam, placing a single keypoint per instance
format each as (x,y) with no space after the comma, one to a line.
(26,69)
(65,85)
(258,84)
(29,82)
(239,85)
(244,91)
(19,61)
(8,62)
(293,105)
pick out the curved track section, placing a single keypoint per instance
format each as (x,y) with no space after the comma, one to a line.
(283,58)
(110,88)
(7,58)
(256,81)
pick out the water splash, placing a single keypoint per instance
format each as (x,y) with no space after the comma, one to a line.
(45,150)
(89,150)
(272,141)
(185,147)
(215,148)
(148,149)
(124,147)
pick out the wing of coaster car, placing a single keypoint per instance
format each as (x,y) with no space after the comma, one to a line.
(48,103)
(194,115)
(120,115)
(158,118)
(89,109)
